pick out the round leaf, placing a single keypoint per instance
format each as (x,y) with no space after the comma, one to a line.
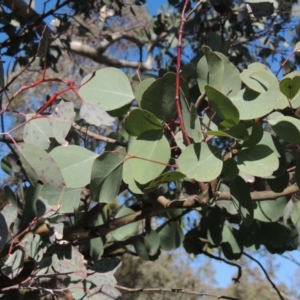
(111,84)
(201,162)
(171,235)
(257,160)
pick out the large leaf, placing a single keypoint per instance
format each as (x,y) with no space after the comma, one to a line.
(222,106)
(287,128)
(140,120)
(67,198)
(75,163)
(259,160)
(126,231)
(201,162)
(109,88)
(260,98)
(40,166)
(106,177)
(159,98)
(149,152)
(269,210)
(171,235)
(215,69)
(241,198)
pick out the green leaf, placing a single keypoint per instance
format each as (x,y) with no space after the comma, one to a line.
(231,245)
(255,133)
(11,197)
(126,231)
(95,115)
(287,128)
(276,146)
(61,121)
(201,162)
(140,121)
(241,198)
(75,163)
(279,183)
(141,88)
(238,132)
(269,210)
(258,77)
(10,214)
(37,131)
(147,246)
(295,215)
(215,224)
(230,169)
(96,248)
(258,160)
(171,235)
(106,177)
(13,265)
(109,88)
(216,70)
(149,152)
(67,198)
(107,265)
(252,105)
(159,98)
(222,106)
(166,178)
(33,246)
(40,166)
(290,87)
(3,232)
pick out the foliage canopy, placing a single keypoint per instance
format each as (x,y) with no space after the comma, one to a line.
(205,133)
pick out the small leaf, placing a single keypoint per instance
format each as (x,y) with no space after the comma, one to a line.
(171,235)
(13,265)
(126,231)
(95,115)
(61,121)
(166,178)
(140,121)
(241,198)
(107,265)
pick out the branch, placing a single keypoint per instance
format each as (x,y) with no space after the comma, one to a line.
(267,275)
(77,233)
(98,136)
(176,291)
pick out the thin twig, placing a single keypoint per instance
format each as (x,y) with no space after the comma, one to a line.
(176,291)
(266,273)
(237,279)
(98,136)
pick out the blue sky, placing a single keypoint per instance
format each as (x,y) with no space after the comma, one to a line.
(287,271)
